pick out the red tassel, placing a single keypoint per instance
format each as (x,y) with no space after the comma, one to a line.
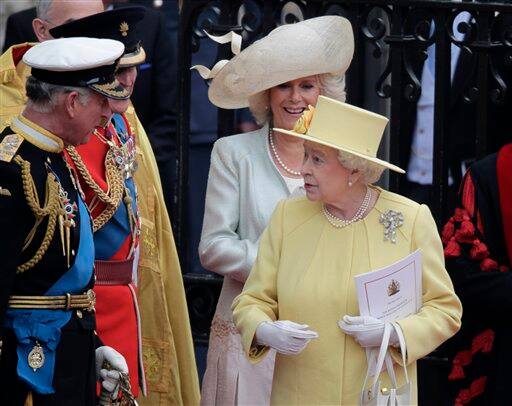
(483,342)
(448,231)
(479,251)
(462,238)
(476,388)
(488,264)
(457,371)
(452,249)
(467,228)
(460,215)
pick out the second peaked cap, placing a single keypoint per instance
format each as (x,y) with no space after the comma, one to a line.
(119,24)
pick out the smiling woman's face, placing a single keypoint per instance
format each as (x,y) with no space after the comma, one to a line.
(289,100)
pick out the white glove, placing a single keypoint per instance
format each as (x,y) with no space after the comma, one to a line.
(366,330)
(118,364)
(286,337)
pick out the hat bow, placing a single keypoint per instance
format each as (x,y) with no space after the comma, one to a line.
(236,46)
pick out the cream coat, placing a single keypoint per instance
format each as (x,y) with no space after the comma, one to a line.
(304,272)
(244,186)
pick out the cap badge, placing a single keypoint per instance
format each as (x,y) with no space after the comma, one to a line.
(123,28)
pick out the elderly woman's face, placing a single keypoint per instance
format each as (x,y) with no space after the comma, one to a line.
(289,100)
(325,179)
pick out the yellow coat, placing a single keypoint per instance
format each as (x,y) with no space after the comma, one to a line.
(304,273)
(167,346)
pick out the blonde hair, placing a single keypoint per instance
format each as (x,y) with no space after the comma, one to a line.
(331,85)
(371,172)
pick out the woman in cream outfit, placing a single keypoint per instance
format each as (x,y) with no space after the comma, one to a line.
(310,253)
(277,76)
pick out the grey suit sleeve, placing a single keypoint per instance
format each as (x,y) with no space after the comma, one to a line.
(221,249)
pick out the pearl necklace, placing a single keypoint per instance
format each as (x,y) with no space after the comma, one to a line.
(278,158)
(340,223)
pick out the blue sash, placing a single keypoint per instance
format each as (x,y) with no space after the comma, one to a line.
(44,326)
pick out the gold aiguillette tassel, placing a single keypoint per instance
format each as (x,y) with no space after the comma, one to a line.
(68,239)
(128,201)
(61,230)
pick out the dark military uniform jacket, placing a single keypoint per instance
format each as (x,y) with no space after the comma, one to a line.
(40,224)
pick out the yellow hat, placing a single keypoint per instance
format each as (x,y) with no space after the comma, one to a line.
(344,127)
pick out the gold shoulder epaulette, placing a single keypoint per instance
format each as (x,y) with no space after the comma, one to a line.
(9,146)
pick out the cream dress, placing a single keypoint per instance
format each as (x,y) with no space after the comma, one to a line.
(244,186)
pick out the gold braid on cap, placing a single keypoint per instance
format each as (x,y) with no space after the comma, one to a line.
(52,208)
(115,184)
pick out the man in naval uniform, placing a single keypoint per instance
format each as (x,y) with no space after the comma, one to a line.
(49,347)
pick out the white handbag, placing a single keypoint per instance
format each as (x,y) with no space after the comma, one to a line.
(395,396)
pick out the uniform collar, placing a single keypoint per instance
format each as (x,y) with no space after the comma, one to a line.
(37,135)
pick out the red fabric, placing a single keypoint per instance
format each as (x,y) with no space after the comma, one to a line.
(468,194)
(476,388)
(448,231)
(116,324)
(504,173)
(93,155)
(489,264)
(479,251)
(123,251)
(481,343)
(452,249)
(467,229)
(18,52)
(469,199)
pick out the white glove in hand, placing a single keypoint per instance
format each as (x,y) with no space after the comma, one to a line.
(366,330)
(118,364)
(286,337)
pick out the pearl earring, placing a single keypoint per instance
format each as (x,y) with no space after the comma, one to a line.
(349,183)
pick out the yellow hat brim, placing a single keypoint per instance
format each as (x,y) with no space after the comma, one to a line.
(342,148)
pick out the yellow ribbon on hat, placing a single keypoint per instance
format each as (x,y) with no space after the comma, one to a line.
(303,123)
(236,46)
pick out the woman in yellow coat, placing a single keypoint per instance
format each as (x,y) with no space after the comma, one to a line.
(302,282)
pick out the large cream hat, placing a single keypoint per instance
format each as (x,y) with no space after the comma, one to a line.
(311,47)
(344,127)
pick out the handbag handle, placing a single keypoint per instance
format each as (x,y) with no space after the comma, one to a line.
(403,348)
(385,357)
(380,361)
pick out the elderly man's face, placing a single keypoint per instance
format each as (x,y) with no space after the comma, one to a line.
(63,11)
(325,178)
(126,77)
(85,118)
